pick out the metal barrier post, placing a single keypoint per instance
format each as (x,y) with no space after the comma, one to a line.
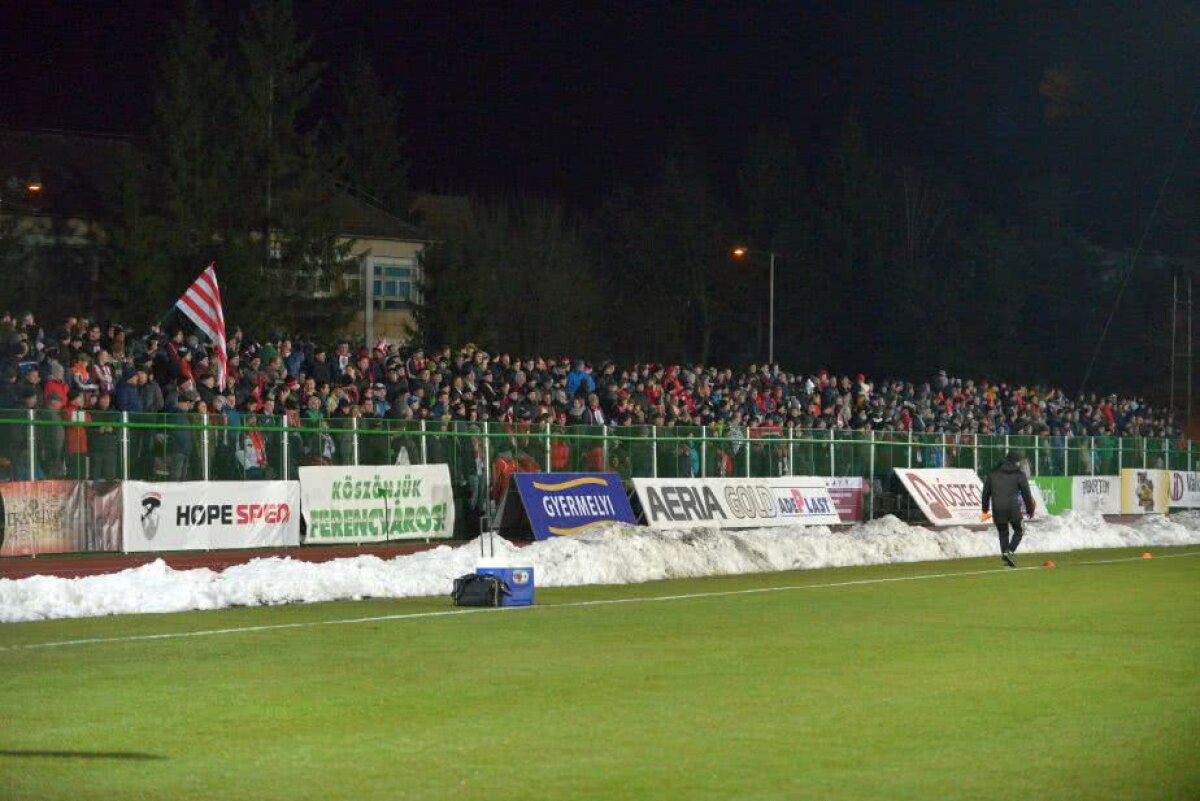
(204,466)
(746,445)
(354,440)
(975,451)
(1037,453)
(703,451)
(604,444)
(549,461)
(424,445)
(285,463)
(1145,456)
(124,446)
(943,464)
(1120,454)
(487,460)
(32,446)
(654,451)
(832,455)
(910,441)
(870,493)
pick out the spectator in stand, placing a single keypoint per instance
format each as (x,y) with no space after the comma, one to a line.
(579,380)
(56,386)
(179,439)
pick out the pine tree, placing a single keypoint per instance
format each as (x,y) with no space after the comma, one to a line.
(366,134)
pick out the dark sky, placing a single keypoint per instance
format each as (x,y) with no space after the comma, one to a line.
(501,97)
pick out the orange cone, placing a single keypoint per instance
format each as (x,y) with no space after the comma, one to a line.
(1147,555)
(1049,563)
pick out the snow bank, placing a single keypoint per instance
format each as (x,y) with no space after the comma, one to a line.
(622,555)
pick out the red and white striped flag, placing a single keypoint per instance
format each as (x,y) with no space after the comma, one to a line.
(202,304)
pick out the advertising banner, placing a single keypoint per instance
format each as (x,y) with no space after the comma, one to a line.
(1099,495)
(848,495)
(1185,490)
(42,517)
(947,496)
(1040,512)
(377,503)
(736,502)
(1056,492)
(559,504)
(1145,492)
(206,515)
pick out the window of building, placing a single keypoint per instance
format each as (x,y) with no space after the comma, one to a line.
(394,283)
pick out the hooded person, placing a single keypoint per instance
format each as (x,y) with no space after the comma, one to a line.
(1004,489)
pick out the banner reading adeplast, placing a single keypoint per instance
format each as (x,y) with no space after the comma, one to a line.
(1145,492)
(947,496)
(377,503)
(569,503)
(205,515)
(736,502)
(1099,495)
(1185,489)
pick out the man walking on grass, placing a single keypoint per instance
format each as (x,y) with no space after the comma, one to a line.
(1001,491)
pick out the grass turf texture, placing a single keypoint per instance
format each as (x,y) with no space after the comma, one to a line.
(1079,682)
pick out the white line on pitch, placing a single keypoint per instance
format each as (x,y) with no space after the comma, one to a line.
(175,635)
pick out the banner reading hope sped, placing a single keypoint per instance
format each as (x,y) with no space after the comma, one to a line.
(377,503)
(203,515)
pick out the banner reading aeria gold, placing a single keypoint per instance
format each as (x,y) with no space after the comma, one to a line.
(736,502)
(377,503)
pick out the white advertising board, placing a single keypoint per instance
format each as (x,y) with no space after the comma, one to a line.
(206,515)
(1099,495)
(736,502)
(947,496)
(377,503)
(1145,492)
(1041,509)
(1185,489)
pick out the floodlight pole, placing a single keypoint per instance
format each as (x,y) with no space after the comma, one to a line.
(771,317)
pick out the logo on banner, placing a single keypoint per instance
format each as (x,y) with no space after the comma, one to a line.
(564,504)
(1145,492)
(151,504)
(520,577)
(943,496)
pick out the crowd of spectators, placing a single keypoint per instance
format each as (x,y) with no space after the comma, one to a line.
(84,365)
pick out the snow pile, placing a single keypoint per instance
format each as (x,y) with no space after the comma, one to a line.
(621,555)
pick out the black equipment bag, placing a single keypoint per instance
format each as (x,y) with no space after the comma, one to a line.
(474,589)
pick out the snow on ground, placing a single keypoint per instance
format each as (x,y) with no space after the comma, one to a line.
(621,555)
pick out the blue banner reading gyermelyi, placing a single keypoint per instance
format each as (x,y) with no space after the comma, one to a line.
(559,504)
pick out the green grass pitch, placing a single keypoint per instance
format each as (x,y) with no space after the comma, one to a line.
(1081,682)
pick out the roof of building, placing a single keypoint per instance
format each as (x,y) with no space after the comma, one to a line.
(365,219)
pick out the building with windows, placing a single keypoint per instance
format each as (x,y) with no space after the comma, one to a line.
(386,277)
(58,190)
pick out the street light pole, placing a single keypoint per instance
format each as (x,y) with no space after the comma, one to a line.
(741,252)
(771,317)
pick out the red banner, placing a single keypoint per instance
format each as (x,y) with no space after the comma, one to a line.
(42,517)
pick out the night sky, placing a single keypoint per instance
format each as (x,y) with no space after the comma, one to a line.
(535,97)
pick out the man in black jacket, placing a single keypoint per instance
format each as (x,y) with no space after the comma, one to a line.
(1003,487)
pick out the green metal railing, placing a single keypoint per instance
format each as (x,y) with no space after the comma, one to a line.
(118,445)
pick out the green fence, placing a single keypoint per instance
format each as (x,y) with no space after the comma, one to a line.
(156,447)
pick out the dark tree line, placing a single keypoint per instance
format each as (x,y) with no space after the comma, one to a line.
(885,263)
(241,167)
